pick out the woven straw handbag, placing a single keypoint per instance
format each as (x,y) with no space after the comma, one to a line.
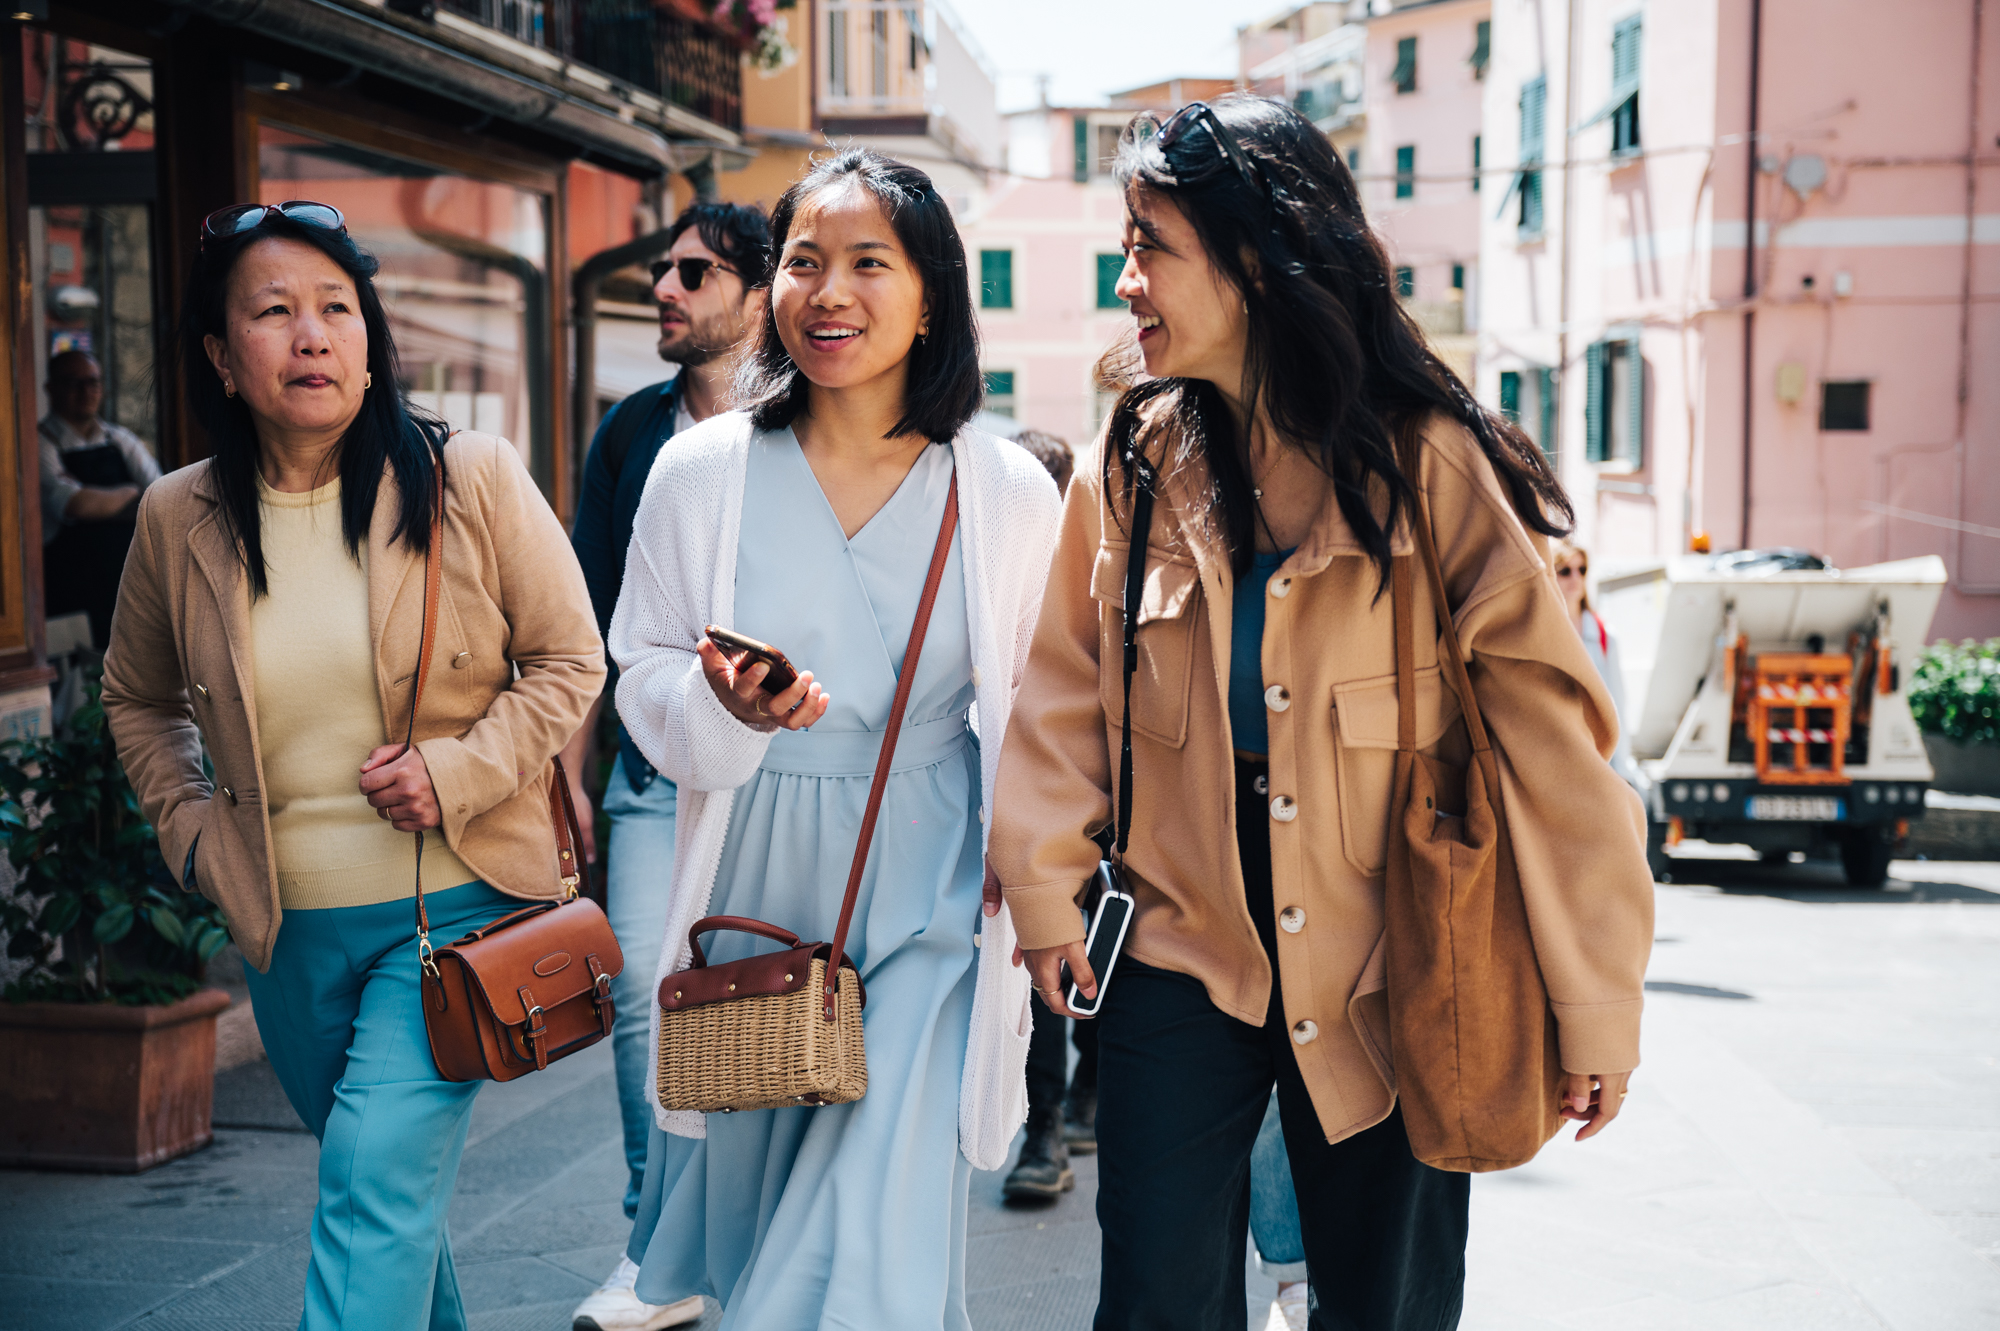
(533,986)
(1472,1035)
(784,1028)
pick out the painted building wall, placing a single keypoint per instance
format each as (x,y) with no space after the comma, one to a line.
(1861,268)
(1429,214)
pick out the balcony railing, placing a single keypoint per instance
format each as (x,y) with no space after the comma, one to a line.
(650,47)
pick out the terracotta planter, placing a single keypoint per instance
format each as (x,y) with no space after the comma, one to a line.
(104,1088)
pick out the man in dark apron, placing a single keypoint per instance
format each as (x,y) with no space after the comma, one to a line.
(92,474)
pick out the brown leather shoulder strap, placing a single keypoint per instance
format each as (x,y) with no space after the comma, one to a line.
(1451,659)
(1402,591)
(904,680)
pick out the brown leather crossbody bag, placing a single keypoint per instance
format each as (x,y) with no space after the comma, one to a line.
(784,1028)
(533,986)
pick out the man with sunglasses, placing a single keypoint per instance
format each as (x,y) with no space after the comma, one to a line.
(709,288)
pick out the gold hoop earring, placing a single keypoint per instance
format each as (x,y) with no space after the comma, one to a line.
(367,381)
(228,389)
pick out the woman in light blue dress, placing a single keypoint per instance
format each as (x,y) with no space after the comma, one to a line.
(854,1215)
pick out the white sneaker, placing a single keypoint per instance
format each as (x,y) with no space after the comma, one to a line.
(614,1307)
(1288,1311)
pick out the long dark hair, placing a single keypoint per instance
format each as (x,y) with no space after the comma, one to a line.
(944,388)
(1332,358)
(387,433)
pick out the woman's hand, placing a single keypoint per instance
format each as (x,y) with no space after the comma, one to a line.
(1045,965)
(741,693)
(1593,1099)
(400,789)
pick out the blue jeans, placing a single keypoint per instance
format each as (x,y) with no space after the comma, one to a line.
(636,886)
(341,1014)
(1274,1207)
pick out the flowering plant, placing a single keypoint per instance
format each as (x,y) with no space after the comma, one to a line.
(763,27)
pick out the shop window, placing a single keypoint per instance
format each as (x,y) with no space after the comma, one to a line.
(464,278)
(91,323)
(1406,171)
(1110,267)
(1404,76)
(1614,407)
(996,279)
(1843,404)
(1000,392)
(1406,281)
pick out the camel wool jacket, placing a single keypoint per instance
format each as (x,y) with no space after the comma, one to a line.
(1330,673)
(179,674)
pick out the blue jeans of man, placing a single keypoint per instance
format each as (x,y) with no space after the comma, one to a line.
(341,1015)
(636,882)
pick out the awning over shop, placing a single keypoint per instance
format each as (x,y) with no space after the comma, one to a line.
(494,73)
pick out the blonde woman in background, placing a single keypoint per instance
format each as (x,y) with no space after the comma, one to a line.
(1571,563)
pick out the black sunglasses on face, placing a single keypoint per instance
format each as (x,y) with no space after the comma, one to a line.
(1175,130)
(240,217)
(693,271)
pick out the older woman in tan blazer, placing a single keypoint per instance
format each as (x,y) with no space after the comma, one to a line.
(271,610)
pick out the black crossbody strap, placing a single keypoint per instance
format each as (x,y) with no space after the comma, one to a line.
(1135,590)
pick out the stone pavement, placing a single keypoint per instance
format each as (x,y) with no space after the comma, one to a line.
(1813,1143)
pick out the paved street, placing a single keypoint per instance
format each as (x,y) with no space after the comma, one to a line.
(1813,1143)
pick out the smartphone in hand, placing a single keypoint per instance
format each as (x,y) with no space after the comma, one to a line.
(747,651)
(1105,942)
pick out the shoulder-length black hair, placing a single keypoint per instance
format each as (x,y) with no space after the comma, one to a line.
(1333,359)
(944,387)
(386,433)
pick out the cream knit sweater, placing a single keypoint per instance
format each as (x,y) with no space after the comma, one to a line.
(680,576)
(319,714)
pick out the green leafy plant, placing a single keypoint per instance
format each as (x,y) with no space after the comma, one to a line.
(92,886)
(1955,691)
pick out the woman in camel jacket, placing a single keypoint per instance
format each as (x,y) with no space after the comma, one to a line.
(1280,374)
(271,613)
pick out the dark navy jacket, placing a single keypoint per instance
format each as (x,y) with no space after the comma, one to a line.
(604,515)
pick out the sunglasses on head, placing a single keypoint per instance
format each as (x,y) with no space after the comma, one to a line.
(693,271)
(1177,128)
(238,218)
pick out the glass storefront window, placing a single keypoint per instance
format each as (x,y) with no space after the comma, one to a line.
(464,276)
(91,182)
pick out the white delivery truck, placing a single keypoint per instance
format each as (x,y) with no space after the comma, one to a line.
(1768,702)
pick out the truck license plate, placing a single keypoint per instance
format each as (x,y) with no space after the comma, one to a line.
(1796,808)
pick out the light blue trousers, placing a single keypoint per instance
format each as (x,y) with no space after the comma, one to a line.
(636,884)
(1274,1205)
(341,1014)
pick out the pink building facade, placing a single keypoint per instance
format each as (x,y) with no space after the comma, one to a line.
(1419,178)
(1753,301)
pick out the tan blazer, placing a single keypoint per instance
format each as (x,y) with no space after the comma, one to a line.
(179,672)
(1330,668)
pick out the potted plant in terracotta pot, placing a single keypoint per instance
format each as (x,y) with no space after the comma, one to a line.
(107,1036)
(1955,698)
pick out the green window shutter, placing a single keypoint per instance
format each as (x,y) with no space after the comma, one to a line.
(1082,148)
(1482,47)
(1510,394)
(999,383)
(1406,171)
(1109,267)
(1545,389)
(1625,52)
(1406,282)
(1405,74)
(1596,381)
(996,279)
(1635,404)
(1475,164)
(1534,102)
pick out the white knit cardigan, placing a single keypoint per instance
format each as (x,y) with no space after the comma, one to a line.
(680,576)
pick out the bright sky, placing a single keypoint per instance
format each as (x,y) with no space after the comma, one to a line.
(1091,47)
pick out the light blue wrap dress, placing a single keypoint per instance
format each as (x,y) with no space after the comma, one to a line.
(848,1216)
